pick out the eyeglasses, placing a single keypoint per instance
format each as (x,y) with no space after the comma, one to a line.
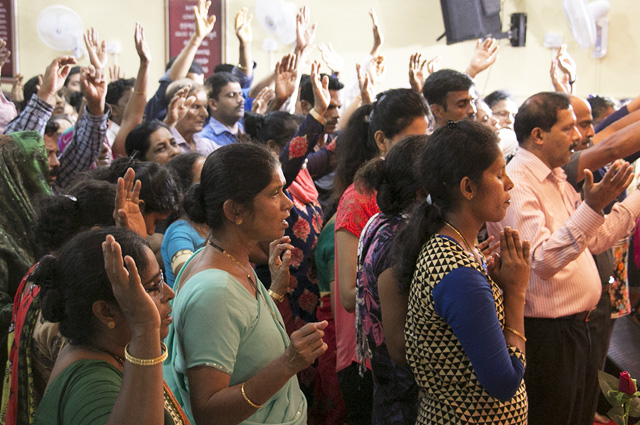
(157,286)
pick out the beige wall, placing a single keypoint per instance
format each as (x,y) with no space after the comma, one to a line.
(408,26)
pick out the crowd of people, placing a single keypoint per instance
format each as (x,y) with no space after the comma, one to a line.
(302,249)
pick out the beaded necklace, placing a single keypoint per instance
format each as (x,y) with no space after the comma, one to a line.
(117,358)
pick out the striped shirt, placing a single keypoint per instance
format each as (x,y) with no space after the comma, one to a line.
(564,233)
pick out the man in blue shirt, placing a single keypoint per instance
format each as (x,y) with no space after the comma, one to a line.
(226,105)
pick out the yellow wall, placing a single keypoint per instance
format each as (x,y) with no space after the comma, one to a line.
(408,25)
(115,21)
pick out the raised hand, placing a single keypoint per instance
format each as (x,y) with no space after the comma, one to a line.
(115,73)
(17,93)
(127,209)
(563,71)
(378,37)
(286,76)
(94,88)
(279,260)
(54,77)
(134,302)
(617,178)
(416,71)
(179,106)
(434,65)
(367,94)
(484,55)
(144,53)
(510,269)
(306,345)
(261,101)
(376,70)
(566,62)
(97,50)
(243,26)
(305,32)
(321,95)
(204,22)
(331,58)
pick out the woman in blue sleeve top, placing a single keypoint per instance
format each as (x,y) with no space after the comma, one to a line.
(464,332)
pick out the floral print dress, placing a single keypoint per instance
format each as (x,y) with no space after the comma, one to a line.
(395,394)
(300,163)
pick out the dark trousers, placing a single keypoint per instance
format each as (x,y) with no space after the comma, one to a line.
(563,359)
(357,393)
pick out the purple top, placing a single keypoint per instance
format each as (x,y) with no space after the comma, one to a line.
(395,396)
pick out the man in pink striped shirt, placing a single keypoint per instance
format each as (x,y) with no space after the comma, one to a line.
(564,231)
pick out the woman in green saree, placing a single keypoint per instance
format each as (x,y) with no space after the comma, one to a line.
(106,290)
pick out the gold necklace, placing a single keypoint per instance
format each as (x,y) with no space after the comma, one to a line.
(459,234)
(232,258)
(473,250)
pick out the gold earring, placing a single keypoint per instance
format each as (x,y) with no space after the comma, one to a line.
(238,221)
(111,324)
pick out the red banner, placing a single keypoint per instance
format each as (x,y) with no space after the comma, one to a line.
(7,33)
(181,25)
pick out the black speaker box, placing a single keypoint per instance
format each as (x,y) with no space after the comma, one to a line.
(470,19)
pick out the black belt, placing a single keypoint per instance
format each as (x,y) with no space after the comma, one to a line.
(581,317)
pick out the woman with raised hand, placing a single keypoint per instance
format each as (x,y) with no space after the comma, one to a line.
(34,343)
(301,162)
(464,333)
(231,360)
(159,194)
(107,292)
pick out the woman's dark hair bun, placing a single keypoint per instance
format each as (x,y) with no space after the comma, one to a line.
(370,176)
(47,277)
(253,125)
(194,204)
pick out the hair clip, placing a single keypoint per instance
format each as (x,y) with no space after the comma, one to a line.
(452,124)
(132,158)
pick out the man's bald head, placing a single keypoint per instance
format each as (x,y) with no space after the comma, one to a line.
(584,121)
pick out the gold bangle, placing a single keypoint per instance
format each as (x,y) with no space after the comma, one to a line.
(146,362)
(318,117)
(244,395)
(276,297)
(242,67)
(139,92)
(515,332)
